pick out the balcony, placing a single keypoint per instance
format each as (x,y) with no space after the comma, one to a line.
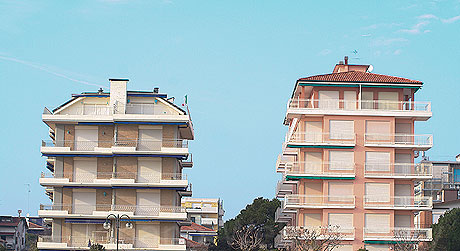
(398,202)
(314,107)
(100,211)
(420,142)
(318,201)
(103,238)
(397,234)
(285,187)
(165,146)
(284,215)
(209,221)
(398,171)
(109,179)
(320,140)
(323,232)
(283,163)
(320,170)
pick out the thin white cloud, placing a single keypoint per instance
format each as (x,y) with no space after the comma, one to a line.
(325,52)
(427,16)
(387,41)
(45,69)
(397,52)
(451,20)
(416,29)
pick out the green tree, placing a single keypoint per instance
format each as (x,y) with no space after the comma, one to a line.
(446,233)
(261,213)
(31,242)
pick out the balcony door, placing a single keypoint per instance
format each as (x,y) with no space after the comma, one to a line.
(378,162)
(403,164)
(148,202)
(312,220)
(343,223)
(147,235)
(149,170)
(86,138)
(403,195)
(377,223)
(342,129)
(313,163)
(84,201)
(150,139)
(403,133)
(341,160)
(329,100)
(340,192)
(82,234)
(377,193)
(313,194)
(85,170)
(402,221)
(349,100)
(313,131)
(388,101)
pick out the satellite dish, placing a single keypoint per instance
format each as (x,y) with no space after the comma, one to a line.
(370,68)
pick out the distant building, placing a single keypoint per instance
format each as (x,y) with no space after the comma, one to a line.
(205,212)
(37,225)
(13,232)
(441,208)
(197,233)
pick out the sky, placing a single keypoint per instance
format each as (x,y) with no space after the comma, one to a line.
(236,60)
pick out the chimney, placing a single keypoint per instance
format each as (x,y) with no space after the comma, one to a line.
(156,90)
(346,59)
(118,95)
(19,212)
(100,91)
(457,158)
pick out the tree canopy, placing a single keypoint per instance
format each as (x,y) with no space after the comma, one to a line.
(446,233)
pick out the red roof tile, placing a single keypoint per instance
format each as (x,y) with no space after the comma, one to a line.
(193,244)
(196,227)
(358,76)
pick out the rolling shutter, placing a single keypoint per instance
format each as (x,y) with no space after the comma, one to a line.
(86,138)
(403,163)
(377,223)
(402,221)
(403,195)
(148,202)
(378,161)
(84,202)
(349,100)
(313,131)
(312,220)
(378,130)
(341,160)
(150,139)
(329,100)
(377,192)
(343,221)
(340,191)
(85,170)
(388,100)
(367,100)
(147,235)
(341,129)
(313,162)
(149,170)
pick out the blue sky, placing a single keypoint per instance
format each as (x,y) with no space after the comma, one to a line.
(236,60)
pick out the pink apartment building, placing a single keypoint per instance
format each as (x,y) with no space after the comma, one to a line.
(118,153)
(348,158)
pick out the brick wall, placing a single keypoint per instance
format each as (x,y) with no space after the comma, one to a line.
(105,135)
(167,232)
(167,167)
(168,135)
(104,168)
(103,199)
(66,232)
(127,132)
(69,136)
(127,167)
(68,168)
(125,197)
(167,197)
(67,199)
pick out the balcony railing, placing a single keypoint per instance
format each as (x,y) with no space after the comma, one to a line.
(103,238)
(146,108)
(333,168)
(323,232)
(398,202)
(321,139)
(318,201)
(333,104)
(398,170)
(283,163)
(140,145)
(285,187)
(95,176)
(398,234)
(88,209)
(281,215)
(399,140)
(86,109)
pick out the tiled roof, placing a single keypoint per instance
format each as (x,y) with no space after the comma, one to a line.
(193,244)
(358,76)
(196,227)
(15,221)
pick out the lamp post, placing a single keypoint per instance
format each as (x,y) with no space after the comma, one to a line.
(117,219)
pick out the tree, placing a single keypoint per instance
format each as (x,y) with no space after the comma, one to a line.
(96,247)
(408,239)
(446,233)
(318,239)
(247,238)
(260,213)
(31,242)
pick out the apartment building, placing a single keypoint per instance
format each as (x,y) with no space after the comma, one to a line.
(116,154)
(13,232)
(205,212)
(347,162)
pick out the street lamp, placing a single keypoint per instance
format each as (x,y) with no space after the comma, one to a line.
(117,219)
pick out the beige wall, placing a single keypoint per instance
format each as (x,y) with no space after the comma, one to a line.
(67,198)
(167,197)
(125,196)
(167,165)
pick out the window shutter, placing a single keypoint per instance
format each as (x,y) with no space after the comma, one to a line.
(377,223)
(312,220)
(378,192)
(341,129)
(378,130)
(340,191)
(341,160)
(343,221)
(378,161)
(329,100)
(349,100)
(402,221)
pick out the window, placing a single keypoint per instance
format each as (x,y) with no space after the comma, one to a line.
(367,100)
(340,191)
(329,100)
(378,161)
(377,130)
(377,192)
(312,220)
(341,160)
(388,100)
(349,100)
(377,223)
(193,219)
(344,222)
(341,129)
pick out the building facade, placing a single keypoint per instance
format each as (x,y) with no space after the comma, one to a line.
(205,212)
(13,232)
(347,162)
(118,153)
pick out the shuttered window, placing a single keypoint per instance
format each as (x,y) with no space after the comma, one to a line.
(341,129)
(377,130)
(340,191)
(148,202)
(85,169)
(344,222)
(150,139)
(329,100)
(377,223)
(349,100)
(147,235)
(388,100)
(402,221)
(84,201)
(149,170)
(313,131)
(313,162)
(377,192)
(367,100)
(312,220)
(341,160)
(378,161)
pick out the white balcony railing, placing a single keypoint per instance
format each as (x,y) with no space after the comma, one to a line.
(321,138)
(333,104)
(285,187)
(147,109)
(318,201)
(140,145)
(323,232)
(94,177)
(88,209)
(398,234)
(284,162)
(398,202)
(103,238)
(399,140)
(398,170)
(86,109)
(332,168)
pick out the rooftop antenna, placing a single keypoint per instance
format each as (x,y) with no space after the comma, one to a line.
(355,52)
(28,197)
(370,68)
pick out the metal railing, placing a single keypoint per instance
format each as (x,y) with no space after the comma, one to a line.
(350,105)
(399,139)
(321,231)
(321,138)
(86,109)
(398,233)
(146,108)
(140,145)
(102,237)
(281,216)
(321,168)
(88,209)
(318,201)
(93,177)
(398,169)
(401,202)
(283,188)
